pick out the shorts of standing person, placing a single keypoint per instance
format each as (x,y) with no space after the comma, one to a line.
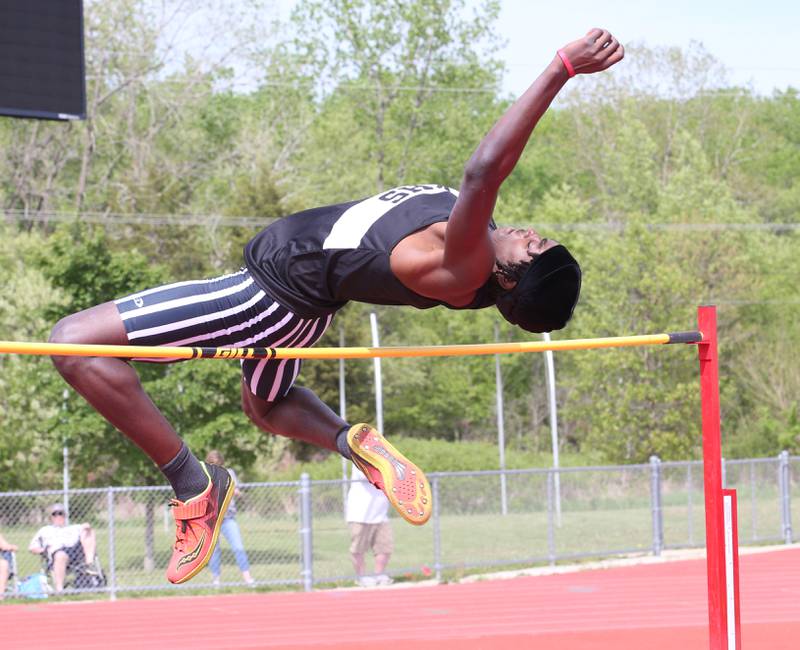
(377,537)
(228,311)
(76,556)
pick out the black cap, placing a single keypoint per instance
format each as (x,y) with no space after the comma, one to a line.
(545,297)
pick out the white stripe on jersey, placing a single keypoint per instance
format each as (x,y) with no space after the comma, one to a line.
(354,223)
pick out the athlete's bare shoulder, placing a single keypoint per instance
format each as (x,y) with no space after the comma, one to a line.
(419,251)
(418,261)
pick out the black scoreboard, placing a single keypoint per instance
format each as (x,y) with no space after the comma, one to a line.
(41,59)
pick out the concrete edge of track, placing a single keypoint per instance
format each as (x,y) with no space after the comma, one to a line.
(672,555)
(636,559)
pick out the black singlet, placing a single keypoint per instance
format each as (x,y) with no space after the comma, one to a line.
(315,261)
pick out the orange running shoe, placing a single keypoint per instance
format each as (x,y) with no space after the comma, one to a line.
(404,484)
(198,521)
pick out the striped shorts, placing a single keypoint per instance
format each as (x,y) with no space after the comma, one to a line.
(230,311)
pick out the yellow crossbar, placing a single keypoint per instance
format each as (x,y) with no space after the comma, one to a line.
(157,352)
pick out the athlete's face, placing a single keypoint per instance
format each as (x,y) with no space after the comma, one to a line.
(516,245)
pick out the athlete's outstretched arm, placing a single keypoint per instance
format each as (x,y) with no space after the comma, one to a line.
(467,246)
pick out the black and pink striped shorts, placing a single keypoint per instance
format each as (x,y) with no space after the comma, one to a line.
(228,311)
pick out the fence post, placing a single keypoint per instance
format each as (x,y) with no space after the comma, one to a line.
(343,414)
(655,504)
(551,540)
(501,429)
(785,482)
(112,547)
(437,533)
(307,571)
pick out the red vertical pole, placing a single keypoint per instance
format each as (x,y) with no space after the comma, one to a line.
(712,473)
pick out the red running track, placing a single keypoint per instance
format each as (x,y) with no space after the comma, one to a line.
(652,606)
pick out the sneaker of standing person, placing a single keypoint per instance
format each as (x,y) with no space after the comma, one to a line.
(366,581)
(382,580)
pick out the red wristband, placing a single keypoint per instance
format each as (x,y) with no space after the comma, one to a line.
(565,60)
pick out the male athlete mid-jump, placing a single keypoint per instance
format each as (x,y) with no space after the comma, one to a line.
(419,245)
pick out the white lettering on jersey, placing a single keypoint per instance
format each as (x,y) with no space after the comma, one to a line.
(354,223)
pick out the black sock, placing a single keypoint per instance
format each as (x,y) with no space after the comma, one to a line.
(185,474)
(341,443)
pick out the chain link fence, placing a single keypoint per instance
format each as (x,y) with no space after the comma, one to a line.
(294,534)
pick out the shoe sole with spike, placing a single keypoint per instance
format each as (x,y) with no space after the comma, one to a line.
(403,483)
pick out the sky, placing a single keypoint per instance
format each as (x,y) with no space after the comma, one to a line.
(758,41)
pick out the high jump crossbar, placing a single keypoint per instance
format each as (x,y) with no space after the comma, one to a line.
(720,506)
(186,352)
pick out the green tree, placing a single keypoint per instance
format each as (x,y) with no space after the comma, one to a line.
(29,399)
(398,81)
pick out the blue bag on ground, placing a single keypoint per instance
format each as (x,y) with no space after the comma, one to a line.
(34,586)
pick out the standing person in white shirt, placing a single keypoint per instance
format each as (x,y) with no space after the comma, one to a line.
(368,520)
(65,546)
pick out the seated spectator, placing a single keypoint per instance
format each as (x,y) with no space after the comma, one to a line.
(6,549)
(66,547)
